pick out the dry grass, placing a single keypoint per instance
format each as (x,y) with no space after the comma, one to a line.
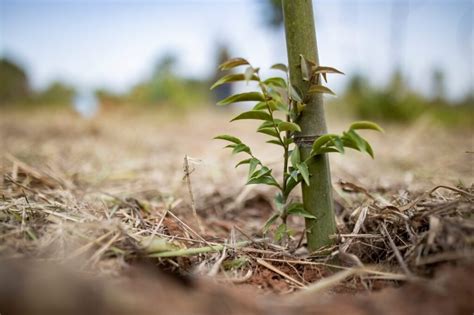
(105,193)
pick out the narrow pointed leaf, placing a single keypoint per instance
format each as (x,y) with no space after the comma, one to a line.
(288,126)
(338,144)
(232,63)
(267,180)
(319,142)
(280,232)
(291,184)
(253,114)
(277,142)
(369,149)
(270,123)
(295,157)
(241,148)
(356,139)
(268,131)
(270,222)
(320,89)
(275,82)
(299,210)
(232,78)
(249,73)
(303,168)
(305,69)
(280,66)
(246,161)
(295,94)
(253,166)
(242,97)
(321,69)
(261,106)
(365,125)
(228,138)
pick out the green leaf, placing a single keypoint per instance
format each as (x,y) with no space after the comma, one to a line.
(270,222)
(228,138)
(266,180)
(294,174)
(270,123)
(299,210)
(279,202)
(275,82)
(338,144)
(280,232)
(249,73)
(260,106)
(252,166)
(277,142)
(232,63)
(369,149)
(276,105)
(320,141)
(232,78)
(295,94)
(321,69)
(303,168)
(295,157)
(300,107)
(305,69)
(280,66)
(241,148)
(246,161)
(328,150)
(291,184)
(242,97)
(253,114)
(365,125)
(269,131)
(359,142)
(261,172)
(288,141)
(288,126)
(320,89)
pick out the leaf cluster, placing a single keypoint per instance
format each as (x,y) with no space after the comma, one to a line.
(277,107)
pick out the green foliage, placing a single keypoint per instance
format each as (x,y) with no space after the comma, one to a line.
(397,102)
(56,94)
(278,106)
(14,85)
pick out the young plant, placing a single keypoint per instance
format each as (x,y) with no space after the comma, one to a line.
(278,106)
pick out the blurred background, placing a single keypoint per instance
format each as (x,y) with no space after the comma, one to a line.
(403,59)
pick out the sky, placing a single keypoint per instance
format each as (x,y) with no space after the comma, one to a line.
(116,43)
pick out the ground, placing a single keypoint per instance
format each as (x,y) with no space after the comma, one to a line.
(105,195)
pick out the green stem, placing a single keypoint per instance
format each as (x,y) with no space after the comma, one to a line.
(317,197)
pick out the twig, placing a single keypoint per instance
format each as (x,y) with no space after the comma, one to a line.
(278,271)
(215,268)
(187,177)
(196,250)
(326,283)
(396,251)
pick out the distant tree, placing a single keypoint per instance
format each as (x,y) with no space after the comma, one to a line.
(166,87)
(14,86)
(57,93)
(273,13)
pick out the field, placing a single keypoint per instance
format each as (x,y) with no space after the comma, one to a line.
(110,200)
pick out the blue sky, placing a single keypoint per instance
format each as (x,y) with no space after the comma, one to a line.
(113,44)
